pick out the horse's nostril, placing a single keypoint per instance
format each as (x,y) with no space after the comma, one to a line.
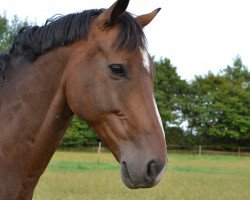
(151,172)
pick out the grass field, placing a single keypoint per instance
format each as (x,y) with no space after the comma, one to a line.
(87,176)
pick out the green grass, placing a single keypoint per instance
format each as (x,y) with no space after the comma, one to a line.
(65,165)
(88,176)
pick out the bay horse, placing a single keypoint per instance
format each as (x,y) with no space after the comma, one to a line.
(93,64)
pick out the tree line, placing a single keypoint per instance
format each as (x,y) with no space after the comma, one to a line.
(210,109)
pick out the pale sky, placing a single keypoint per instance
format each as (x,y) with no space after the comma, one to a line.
(197,35)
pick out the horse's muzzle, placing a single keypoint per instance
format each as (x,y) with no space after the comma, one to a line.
(148,176)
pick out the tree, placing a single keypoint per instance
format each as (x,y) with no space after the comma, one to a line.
(78,134)
(3,32)
(8,29)
(170,91)
(218,106)
(237,72)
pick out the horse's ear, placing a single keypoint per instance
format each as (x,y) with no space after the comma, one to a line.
(109,16)
(144,20)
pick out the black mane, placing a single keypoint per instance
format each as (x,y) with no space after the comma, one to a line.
(33,41)
(4,61)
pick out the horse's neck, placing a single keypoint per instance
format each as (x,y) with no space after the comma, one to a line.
(34,116)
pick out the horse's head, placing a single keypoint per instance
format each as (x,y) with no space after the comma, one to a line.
(109,84)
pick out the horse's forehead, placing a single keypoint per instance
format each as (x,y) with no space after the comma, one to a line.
(107,41)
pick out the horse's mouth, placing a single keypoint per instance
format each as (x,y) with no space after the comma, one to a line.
(125,176)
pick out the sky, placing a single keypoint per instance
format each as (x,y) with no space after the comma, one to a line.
(196,35)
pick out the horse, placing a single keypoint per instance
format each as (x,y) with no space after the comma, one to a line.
(93,64)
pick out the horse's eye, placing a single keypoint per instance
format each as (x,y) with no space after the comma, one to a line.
(117,69)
